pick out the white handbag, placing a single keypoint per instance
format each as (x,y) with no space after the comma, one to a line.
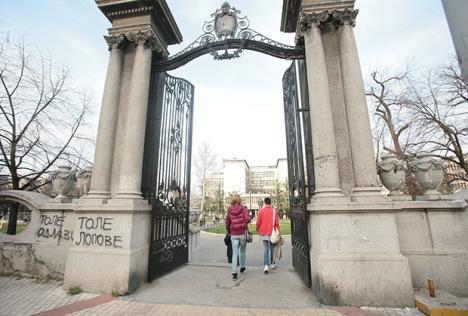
(275,234)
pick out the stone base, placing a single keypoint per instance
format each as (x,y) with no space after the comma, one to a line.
(436,245)
(102,271)
(110,247)
(355,256)
(367,194)
(357,280)
(329,195)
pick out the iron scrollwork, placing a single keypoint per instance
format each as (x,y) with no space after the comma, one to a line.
(229,32)
(166,172)
(296,140)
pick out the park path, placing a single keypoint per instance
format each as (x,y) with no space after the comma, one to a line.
(201,288)
(207,281)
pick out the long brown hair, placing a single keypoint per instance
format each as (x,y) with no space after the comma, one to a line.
(236,199)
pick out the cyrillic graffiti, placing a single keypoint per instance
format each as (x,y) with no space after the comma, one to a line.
(94,231)
(51,228)
(90,234)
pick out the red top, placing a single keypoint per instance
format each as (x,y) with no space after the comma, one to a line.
(265,220)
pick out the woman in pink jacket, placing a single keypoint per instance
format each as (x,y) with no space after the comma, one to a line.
(237,219)
(264,229)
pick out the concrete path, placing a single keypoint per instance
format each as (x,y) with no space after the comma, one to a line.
(21,296)
(207,281)
(204,287)
(213,251)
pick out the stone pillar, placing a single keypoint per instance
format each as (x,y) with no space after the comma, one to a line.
(134,137)
(100,180)
(362,150)
(323,134)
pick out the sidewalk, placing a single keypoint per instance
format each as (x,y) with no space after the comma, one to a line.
(30,297)
(204,287)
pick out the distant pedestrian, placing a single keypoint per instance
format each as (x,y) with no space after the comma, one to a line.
(237,219)
(265,218)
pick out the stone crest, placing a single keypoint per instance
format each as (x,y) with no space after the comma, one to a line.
(225,22)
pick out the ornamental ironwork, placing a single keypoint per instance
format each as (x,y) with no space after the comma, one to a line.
(300,168)
(225,36)
(166,170)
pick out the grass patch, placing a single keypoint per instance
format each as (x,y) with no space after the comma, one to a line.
(74,290)
(19,228)
(115,293)
(285,227)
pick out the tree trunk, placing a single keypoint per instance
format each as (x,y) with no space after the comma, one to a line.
(12,218)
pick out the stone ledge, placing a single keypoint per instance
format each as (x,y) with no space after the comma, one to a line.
(389,206)
(109,251)
(362,257)
(116,206)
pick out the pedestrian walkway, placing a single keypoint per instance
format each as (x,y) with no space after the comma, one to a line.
(21,296)
(202,287)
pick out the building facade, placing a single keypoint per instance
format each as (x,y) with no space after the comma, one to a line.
(253,183)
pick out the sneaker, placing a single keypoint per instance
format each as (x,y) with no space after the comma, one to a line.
(234,276)
(242,270)
(273,266)
(265,270)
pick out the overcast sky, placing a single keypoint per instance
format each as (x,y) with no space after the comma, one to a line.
(238,103)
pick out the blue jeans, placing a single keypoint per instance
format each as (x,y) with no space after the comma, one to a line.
(267,252)
(238,242)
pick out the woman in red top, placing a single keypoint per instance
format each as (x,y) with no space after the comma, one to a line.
(264,229)
(236,223)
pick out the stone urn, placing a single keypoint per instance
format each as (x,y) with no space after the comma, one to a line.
(391,171)
(84,180)
(428,172)
(62,181)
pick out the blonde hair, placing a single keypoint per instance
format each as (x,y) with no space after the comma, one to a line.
(236,199)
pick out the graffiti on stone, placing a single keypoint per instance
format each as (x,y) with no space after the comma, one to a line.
(97,231)
(93,231)
(51,227)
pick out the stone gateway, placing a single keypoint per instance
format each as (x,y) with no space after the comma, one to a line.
(351,244)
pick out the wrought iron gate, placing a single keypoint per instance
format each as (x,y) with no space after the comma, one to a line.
(166,171)
(300,163)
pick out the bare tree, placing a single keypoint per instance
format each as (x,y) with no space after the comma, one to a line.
(393,130)
(415,113)
(439,106)
(205,164)
(41,117)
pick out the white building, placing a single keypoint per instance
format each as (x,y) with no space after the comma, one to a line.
(253,183)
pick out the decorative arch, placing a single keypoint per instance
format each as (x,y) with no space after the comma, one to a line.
(230,32)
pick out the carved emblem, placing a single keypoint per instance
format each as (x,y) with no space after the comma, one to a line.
(225,23)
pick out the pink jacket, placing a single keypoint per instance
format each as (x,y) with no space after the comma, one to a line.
(265,220)
(236,220)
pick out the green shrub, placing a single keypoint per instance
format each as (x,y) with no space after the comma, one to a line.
(74,290)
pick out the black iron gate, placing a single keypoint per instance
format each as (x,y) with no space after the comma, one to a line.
(166,171)
(300,163)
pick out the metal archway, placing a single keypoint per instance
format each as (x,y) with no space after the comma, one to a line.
(229,32)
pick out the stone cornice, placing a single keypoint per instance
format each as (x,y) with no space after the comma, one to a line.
(345,16)
(114,41)
(146,38)
(307,20)
(337,17)
(161,16)
(120,38)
